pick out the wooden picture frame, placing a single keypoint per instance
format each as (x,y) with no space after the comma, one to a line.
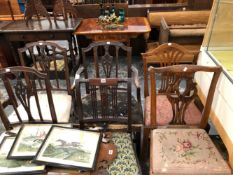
(12,167)
(69,148)
(29,139)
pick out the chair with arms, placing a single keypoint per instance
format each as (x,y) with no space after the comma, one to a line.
(50,58)
(30,97)
(105,114)
(106,103)
(112,60)
(181,147)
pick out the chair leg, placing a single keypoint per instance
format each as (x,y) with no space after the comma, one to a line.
(144,144)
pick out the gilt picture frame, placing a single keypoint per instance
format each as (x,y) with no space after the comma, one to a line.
(29,139)
(12,167)
(69,148)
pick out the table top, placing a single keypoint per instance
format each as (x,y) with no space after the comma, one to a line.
(130,25)
(3,24)
(41,25)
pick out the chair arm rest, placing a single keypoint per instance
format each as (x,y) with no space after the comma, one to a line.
(135,76)
(136,82)
(77,76)
(164,32)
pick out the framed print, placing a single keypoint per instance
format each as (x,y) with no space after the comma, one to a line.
(16,166)
(69,148)
(29,139)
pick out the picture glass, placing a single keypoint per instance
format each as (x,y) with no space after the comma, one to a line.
(29,139)
(15,166)
(71,147)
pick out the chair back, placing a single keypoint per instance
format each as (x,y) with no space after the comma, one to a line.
(105,60)
(165,55)
(23,86)
(49,58)
(105,102)
(181,90)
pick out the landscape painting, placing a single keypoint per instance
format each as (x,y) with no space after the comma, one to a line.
(29,140)
(15,166)
(69,147)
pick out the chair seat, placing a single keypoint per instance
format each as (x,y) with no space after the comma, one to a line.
(62,103)
(164,112)
(126,161)
(122,96)
(181,151)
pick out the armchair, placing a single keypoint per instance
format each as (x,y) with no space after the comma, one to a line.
(112,60)
(105,114)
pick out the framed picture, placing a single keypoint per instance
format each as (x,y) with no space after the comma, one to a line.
(29,139)
(16,166)
(69,148)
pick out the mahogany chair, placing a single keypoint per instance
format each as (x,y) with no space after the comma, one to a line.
(112,60)
(105,114)
(29,98)
(165,55)
(181,147)
(50,58)
(106,102)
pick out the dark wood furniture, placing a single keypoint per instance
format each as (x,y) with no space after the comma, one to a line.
(6,57)
(64,8)
(107,62)
(132,27)
(23,93)
(35,7)
(49,58)
(41,30)
(181,147)
(100,108)
(102,104)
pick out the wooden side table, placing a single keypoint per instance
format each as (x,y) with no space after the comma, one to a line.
(132,28)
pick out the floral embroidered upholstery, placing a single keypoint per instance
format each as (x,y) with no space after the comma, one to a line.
(122,106)
(126,161)
(183,150)
(164,111)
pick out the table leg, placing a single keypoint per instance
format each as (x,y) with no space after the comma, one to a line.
(72,56)
(75,44)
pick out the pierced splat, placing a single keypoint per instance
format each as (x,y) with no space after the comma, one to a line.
(103,104)
(23,93)
(169,56)
(165,80)
(107,64)
(63,7)
(49,58)
(26,96)
(181,98)
(35,7)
